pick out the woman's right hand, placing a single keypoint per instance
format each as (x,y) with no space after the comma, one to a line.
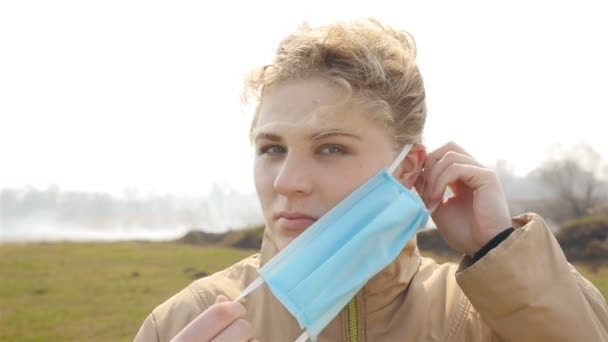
(224,321)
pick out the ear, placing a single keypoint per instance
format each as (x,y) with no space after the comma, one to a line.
(407,173)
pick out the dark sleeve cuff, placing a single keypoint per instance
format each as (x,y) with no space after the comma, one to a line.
(492,243)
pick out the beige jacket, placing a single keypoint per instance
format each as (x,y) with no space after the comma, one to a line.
(522,290)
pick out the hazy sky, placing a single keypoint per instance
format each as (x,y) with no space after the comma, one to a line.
(111,94)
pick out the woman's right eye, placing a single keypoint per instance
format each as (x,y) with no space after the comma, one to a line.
(271,150)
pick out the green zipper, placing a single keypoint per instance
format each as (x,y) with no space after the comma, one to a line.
(352,320)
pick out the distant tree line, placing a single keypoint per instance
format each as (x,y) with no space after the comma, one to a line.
(568,185)
(218,211)
(572,184)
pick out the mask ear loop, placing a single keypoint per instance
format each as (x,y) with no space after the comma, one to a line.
(406,149)
(254,285)
(435,207)
(303,338)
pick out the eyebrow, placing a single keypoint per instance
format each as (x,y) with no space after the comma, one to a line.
(311,137)
(332,133)
(268,136)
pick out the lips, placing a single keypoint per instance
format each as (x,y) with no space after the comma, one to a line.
(293,222)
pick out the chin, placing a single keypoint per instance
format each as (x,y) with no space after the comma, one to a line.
(283,241)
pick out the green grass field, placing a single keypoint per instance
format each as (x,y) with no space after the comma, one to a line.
(103,291)
(94,292)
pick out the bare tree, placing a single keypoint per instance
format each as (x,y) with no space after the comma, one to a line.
(576,180)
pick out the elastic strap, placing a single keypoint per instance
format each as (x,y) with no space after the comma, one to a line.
(303,337)
(254,285)
(406,149)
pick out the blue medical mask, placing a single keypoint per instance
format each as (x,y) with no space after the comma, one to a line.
(321,270)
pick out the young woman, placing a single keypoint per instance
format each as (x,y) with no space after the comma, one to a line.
(338,104)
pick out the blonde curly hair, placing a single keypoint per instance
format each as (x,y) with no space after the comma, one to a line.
(374,62)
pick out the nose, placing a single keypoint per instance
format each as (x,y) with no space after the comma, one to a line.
(293,178)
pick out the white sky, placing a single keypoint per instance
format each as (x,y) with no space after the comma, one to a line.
(104,95)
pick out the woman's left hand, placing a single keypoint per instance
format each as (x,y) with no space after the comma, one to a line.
(477,211)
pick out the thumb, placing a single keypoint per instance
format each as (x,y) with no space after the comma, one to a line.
(220,298)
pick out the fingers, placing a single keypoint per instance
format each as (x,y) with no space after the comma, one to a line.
(450,158)
(239,331)
(450,166)
(471,176)
(423,181)
(212,321)
(433,157)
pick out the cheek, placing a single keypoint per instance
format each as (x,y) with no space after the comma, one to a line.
(349,180)
(263,178)
(343,183)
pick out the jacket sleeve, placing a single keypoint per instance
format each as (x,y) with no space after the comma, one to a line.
(169,318)
(147,331)
(525,290)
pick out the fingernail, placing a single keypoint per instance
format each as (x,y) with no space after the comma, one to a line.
(220,298)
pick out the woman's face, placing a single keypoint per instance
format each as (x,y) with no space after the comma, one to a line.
(310,155)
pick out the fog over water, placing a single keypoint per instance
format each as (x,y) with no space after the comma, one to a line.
(32,214)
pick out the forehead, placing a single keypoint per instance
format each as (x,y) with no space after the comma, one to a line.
(309,104)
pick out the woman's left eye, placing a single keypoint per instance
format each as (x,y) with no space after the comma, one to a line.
(333,149)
